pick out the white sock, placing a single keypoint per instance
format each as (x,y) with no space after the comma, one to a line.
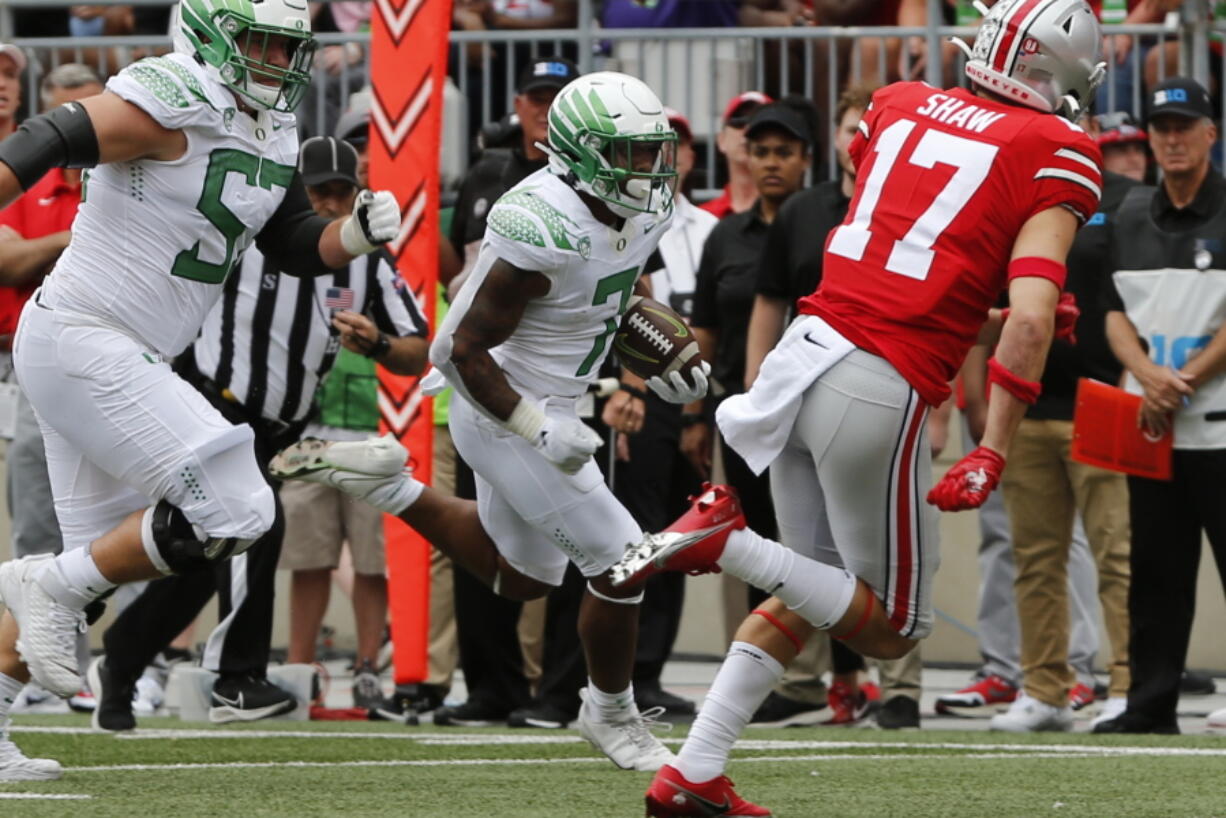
(9,688)
(396,495)
(609,706)
(744,680)
(818,592)
(73,579)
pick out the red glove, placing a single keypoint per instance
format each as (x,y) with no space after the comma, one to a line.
(1067,313)
(968,482)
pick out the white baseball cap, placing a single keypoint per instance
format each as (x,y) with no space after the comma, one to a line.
(16,54)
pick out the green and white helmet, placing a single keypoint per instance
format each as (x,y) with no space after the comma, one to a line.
(224,33)
(609,137)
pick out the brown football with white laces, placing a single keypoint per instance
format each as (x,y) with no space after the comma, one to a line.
(654,340)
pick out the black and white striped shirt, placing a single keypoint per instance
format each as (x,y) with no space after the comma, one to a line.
(269,339)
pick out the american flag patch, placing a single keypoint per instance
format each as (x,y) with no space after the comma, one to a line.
(338,298)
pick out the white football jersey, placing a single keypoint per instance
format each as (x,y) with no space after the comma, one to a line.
(563,337)
(153,241)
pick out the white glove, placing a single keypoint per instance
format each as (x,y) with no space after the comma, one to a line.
(566,442)
(375,221)
(676,390)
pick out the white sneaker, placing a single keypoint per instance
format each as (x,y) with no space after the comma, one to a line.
(14,766)
(371,470)
(47,637)
(1112,708)
(628,742)
(33,698)
(1029,715)
(1217,719)
(148,697)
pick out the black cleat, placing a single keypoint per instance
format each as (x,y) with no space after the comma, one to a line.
(113,697)
(247,697)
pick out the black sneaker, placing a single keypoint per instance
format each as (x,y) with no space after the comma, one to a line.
(396,708)
(367,689)
(113,697)
(780,711)
(1135,723)
(541,714)
(247,697)
(650,696)
(1194,683)
(471,714)
(899,713)
(420,697)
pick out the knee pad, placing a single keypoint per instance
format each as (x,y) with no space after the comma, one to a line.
(175,546)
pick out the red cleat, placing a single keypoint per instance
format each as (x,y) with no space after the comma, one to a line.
(848,706)
(692,544)
(1080,696)
(671,796)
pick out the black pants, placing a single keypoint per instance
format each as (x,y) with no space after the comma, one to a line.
(653,487)
(245,585)
(1167,521)
(755,494)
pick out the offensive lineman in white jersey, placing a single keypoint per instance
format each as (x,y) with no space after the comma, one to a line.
(196,156)
(526,336)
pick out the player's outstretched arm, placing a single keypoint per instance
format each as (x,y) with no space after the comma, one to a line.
(485,314)
(96,130)
(1036,273)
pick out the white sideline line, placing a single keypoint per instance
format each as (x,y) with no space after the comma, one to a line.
(520,762)
(495,740)
(49,796)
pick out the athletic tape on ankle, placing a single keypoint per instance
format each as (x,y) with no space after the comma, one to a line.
(784,629)
(861,622)
(630,600)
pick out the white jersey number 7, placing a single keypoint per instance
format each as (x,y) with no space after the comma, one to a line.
(912,255)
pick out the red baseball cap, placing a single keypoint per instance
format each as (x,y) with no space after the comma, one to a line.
(744,100)
(1117,128)
(680,124)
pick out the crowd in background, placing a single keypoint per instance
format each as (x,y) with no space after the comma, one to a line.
(733,266)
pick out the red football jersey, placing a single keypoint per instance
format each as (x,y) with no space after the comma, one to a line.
(944,182)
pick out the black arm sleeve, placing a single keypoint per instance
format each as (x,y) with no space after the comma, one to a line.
(290,239)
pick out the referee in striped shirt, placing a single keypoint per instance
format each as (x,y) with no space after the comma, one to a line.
(259,358)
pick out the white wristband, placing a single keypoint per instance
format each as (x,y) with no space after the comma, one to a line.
(526,421)
(352,238)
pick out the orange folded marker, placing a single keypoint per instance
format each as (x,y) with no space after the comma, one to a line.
(1106,434)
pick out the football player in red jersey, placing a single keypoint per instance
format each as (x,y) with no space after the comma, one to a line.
(960,194)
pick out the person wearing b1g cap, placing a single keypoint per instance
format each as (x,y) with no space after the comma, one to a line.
(1164,323)
(12,64)
(740,193)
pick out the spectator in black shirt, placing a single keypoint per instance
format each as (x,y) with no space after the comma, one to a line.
(779,142)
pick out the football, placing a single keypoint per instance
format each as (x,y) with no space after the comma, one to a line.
(654,340)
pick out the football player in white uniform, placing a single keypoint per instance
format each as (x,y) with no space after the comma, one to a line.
(527,334)
(195,156)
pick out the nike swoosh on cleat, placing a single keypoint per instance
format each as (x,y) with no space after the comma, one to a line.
(236,703)
(710,807)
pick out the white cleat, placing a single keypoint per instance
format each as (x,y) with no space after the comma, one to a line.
(371,470)
(313,460)
(1029,715)
(15,766)
(627,742)
(47,630)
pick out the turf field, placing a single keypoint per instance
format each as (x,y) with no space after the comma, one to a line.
(381,769)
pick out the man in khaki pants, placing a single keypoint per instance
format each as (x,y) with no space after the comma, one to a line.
(1043,488)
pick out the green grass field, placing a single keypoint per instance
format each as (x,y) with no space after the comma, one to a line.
(381,769)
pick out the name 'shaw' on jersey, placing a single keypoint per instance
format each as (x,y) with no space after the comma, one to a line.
(944,182)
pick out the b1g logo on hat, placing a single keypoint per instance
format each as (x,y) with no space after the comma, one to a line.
(550,69)
(1170,95)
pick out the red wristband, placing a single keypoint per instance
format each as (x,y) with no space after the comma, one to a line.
(1038,267)
(1020,388)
